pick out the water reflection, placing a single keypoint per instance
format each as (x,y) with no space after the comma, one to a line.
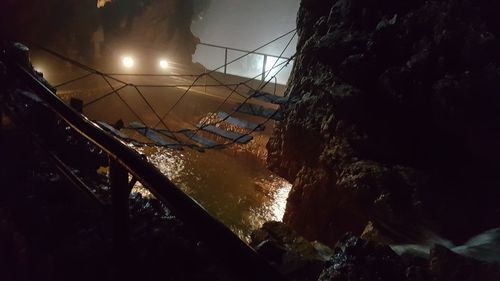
(241,194)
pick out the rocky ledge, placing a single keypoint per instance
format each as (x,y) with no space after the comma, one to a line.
(357,259)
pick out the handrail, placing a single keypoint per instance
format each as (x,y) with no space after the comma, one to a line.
(224,243)
(240,50)
(227,63)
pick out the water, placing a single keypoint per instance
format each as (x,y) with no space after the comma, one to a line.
(240,192)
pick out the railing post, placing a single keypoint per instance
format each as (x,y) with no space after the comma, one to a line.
(205,80)
(3,86)
(264,68)
(225,62)
(275,84)
(120,191)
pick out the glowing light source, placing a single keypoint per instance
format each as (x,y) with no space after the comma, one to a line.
(128,62)
(163,64)
(38,69)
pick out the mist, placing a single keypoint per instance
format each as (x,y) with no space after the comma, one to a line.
(246,25)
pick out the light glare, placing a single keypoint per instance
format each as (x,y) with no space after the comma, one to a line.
(128,62)
(163,64)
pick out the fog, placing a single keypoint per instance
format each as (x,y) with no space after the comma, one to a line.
(246,25)
(237,24)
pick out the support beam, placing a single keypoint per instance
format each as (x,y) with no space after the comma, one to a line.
(120,192)
(264,64)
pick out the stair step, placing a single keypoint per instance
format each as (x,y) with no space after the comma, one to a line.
(201,140)
(240,123)
(266,97)
(260,111)
(152,135)
(236,137)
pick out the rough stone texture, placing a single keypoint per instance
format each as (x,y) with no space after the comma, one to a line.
(448,266)
(396,121)
(356,259)
(295,257)
(73,22)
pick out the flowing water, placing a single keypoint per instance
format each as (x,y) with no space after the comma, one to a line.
(241,193)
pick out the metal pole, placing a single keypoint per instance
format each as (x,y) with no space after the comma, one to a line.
(120,191)
(225,62)
(264,68)
(275,85)
(3,86)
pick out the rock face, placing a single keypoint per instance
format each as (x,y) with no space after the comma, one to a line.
(356,259)
(296,258)
(396,119)
(74,25)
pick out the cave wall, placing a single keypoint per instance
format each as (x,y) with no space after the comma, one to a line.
(395,119)
(72,24)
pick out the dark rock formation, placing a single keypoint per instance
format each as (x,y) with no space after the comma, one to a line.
(295,257)
(71,25)
(448,266)
(356,259)
(396,119)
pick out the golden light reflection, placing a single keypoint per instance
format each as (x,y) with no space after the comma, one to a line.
(241,194)
(102,3)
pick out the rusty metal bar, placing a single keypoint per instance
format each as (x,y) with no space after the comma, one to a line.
(264,63)
(225,61)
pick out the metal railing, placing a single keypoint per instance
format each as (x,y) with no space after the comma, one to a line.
(124,161)
(227,62)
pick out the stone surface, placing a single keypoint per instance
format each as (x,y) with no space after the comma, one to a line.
(357,259)
(448,266)
(395,119)
(294,256)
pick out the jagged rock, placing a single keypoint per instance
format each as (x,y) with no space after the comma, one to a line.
(448,266)
(394,119)
(297,258)
(356,259)
(375,234)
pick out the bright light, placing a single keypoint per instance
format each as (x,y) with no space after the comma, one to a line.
(128,62)
(38,69)
(163,64)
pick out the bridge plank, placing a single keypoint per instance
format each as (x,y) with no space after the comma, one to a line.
(152,135)
(260,111)
(236,137)
(240,123)
(201,140)
(266,97)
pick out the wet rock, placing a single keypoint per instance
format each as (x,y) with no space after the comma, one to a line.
(446,265)
(373,233)
(356,259)
(294,256)
(394,119)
